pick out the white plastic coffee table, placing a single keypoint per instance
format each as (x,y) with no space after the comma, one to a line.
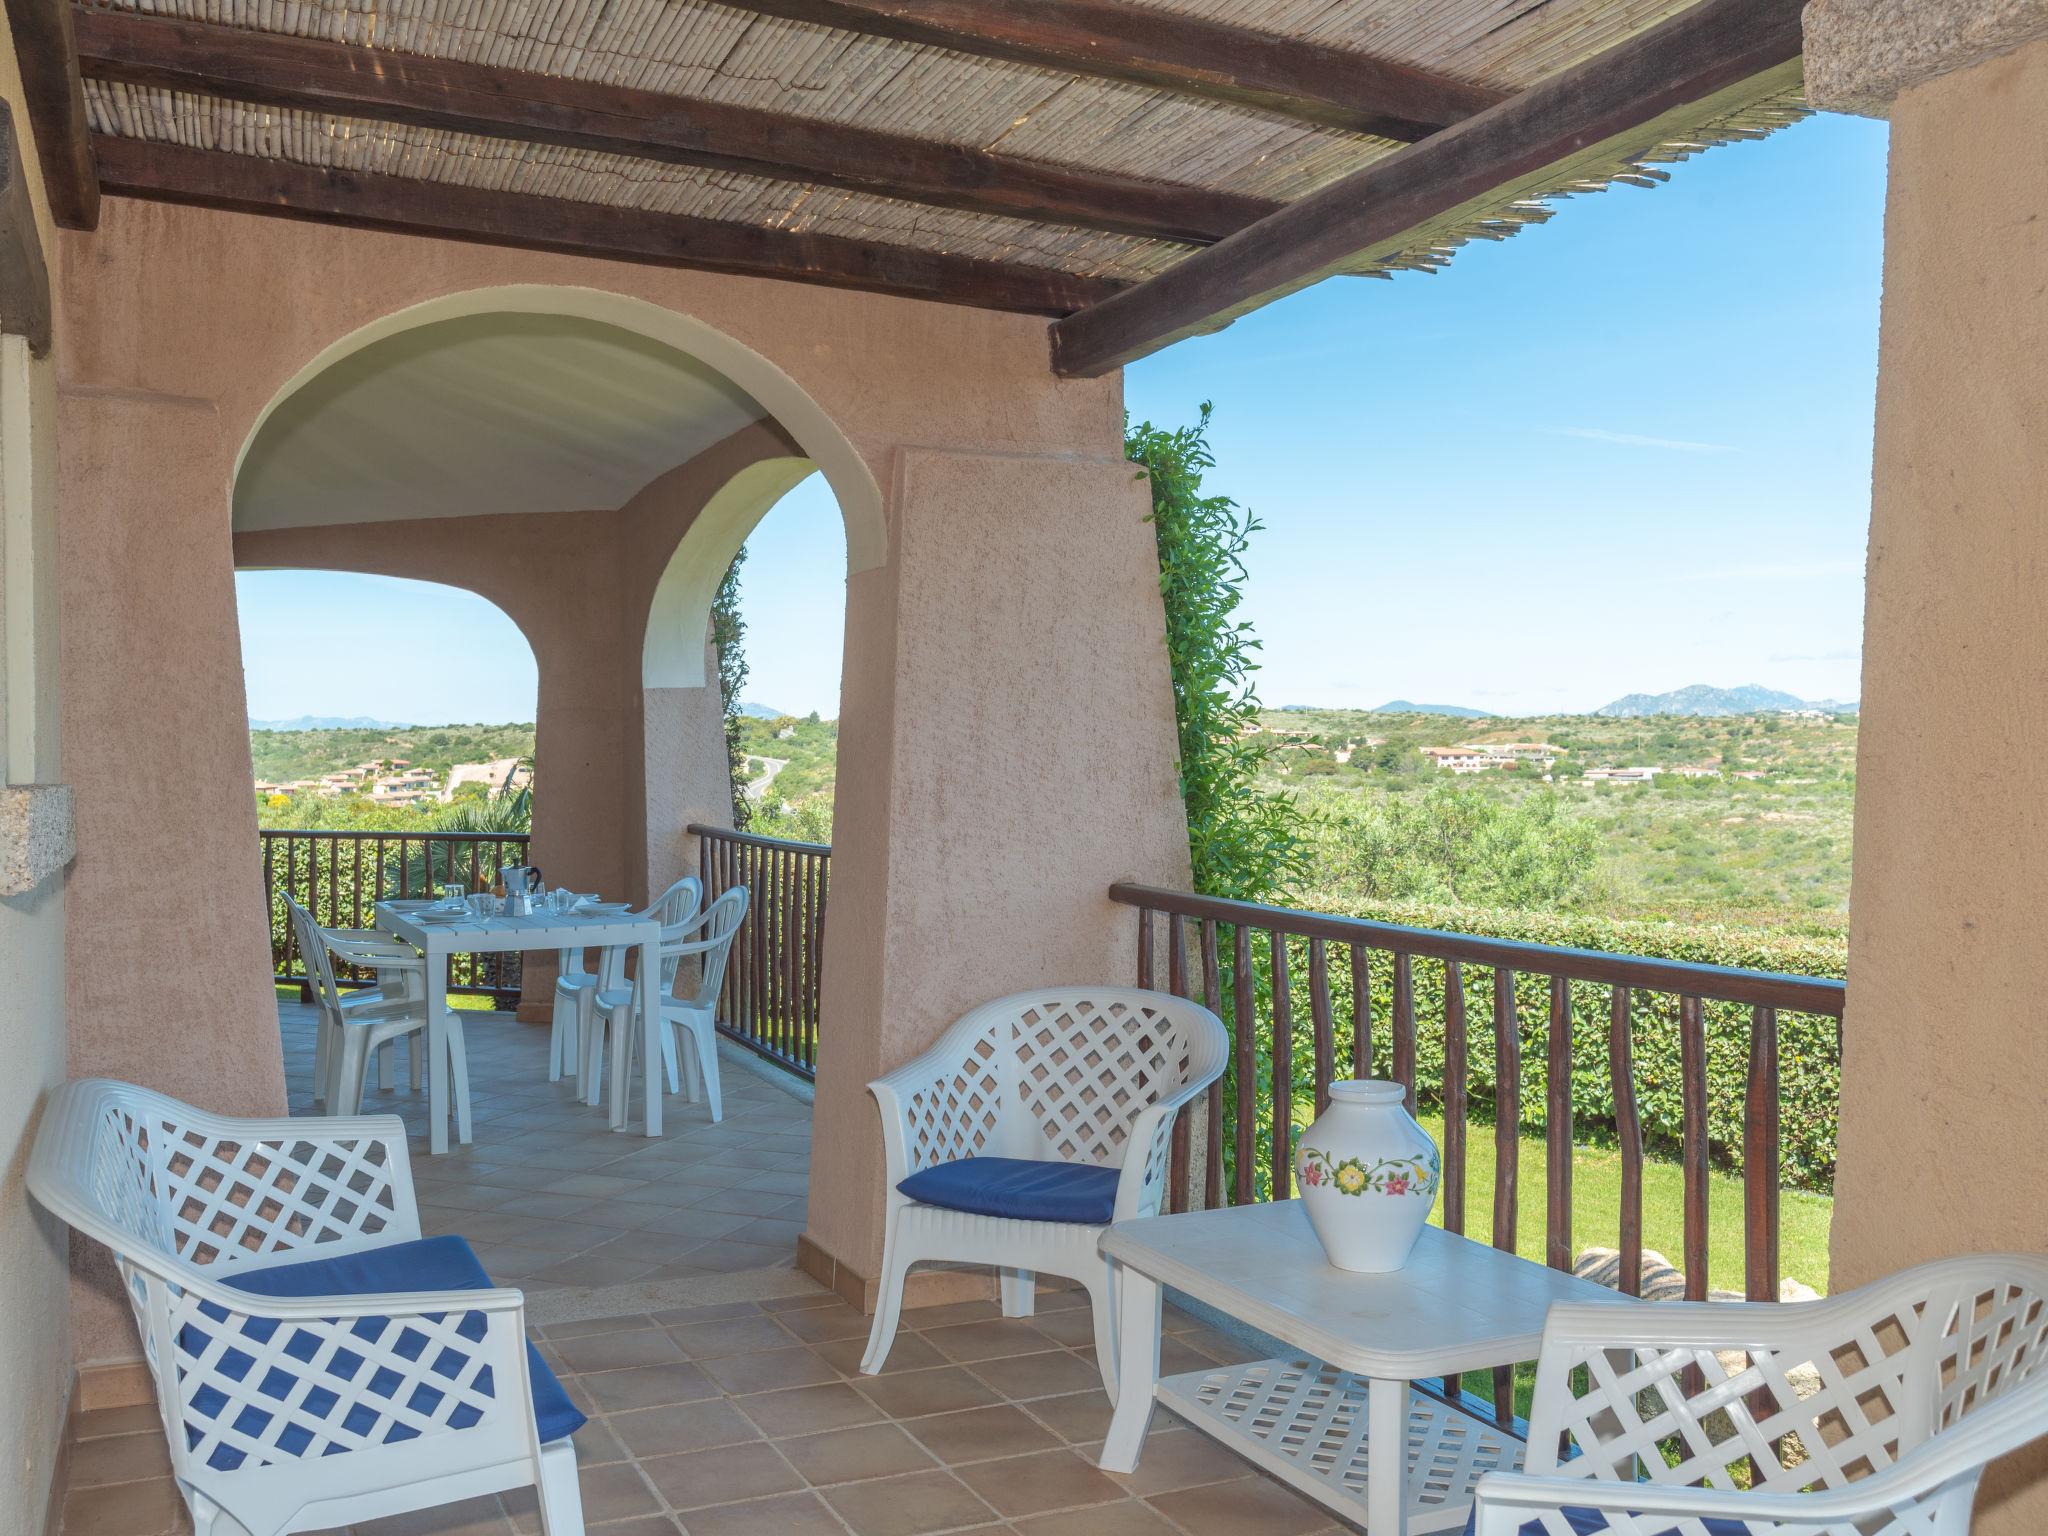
(1313,1419)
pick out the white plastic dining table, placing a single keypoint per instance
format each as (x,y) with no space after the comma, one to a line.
(546,930)
(1314,1418)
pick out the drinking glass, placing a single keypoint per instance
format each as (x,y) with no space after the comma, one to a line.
(452,895)
(483,904)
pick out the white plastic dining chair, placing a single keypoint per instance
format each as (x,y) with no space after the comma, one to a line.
(575,986)
(706,938)
(355,1026)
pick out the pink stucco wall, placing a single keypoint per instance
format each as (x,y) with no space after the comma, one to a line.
(1007,743)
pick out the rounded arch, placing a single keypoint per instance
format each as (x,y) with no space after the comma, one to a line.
(672,650)
(826,447)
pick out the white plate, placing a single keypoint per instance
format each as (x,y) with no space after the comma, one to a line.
(600,908)
(439,915)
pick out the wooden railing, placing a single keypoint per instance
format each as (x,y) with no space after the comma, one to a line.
(340,877)
(770,999)
(1341,992)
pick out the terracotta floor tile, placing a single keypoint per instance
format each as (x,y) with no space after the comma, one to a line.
(1177,1356)
(982,1433)
(1076,1417)
(1129,1518)
(802,1303)
(681,1317)
(987,1340)
(815,1325)
(909,1353)
(790,1514)
(848,1455)
(615,1492)
(596,1444)
(1249,1504)
(807,1410)
(1074,1327)
(731,1336)
(916,1393)
(559,1331)
(616,1351)
(747,1202)
(907,1506)
(470,1517)
(769,1370)
(722,1476)
(681,1427)
(1031,1485)
(135,1419)
(1019,1377)
(691,1222)
(120,1459)
(648,1386)
(949,1313)
(126,1509)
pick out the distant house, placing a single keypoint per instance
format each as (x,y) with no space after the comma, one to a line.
(1698,770)
(1620,775)
(1470,759)
(1747,773)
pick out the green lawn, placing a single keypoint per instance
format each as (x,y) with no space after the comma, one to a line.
(1596,1209)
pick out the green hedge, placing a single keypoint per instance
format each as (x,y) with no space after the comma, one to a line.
(1809,1047)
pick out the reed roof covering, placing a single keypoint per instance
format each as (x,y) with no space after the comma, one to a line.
(1140,175)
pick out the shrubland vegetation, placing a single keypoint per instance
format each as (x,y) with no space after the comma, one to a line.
(281,756)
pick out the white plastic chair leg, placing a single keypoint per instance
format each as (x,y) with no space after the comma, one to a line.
(704,1055)
(1102,1300)
(668,1062)
(888,1305)
(590,1030)
(415,1051)
(458,1074)
(345,1085)
(561,1497)
(387,1066)
(563,1044)
(1019,1292)
(323,1051)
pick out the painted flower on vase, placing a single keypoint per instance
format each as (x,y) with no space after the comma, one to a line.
(1397,1176)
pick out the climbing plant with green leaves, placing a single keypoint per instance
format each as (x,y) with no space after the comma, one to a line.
(1244,842)
(728,633)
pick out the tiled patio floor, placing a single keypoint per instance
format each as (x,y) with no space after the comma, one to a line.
(555,1201)
(749,1419)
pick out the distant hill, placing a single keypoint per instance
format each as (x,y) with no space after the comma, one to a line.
(762,712)
(329,723)
(1403,707)
(1701,699)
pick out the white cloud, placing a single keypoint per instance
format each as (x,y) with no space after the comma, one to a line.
(1637,440)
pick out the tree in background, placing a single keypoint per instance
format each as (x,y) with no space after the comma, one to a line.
(1243,842)
(728,630)
(1454,845)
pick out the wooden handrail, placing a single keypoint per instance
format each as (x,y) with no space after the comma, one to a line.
(728,835)
(1722,983)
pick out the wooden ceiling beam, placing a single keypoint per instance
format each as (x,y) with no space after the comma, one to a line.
(55,98)
(1143,45)
(24,278)
(1717,56)
(348,80)
(407,205)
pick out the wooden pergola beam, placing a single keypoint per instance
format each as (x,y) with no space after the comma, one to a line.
(348,80)
(207,178)
(1141,44)
(55,97)
(1716,56)
(24,277)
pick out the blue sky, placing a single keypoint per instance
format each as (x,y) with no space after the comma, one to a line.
(1625,451)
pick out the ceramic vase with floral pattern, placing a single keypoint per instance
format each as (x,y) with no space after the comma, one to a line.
(1367,1175)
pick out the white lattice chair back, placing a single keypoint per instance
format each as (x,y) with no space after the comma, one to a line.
(264,1398)
(1872,1413)
(1060,1074)
(708,938)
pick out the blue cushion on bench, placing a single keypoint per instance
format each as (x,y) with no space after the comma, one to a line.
(1590,1522)
(1019,1188)
(426,1264)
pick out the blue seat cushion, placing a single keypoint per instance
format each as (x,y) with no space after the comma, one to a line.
(1590,1522)
(346,1389)
(1018,1188)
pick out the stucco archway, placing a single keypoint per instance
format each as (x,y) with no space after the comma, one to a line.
(823,442)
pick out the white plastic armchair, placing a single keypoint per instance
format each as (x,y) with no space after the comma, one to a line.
(1872,1413)
(293,1414)
(575,987)
(1066,1074)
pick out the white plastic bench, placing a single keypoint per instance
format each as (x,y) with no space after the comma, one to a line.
(1910,1386)
(301,1410)
(1065,1076)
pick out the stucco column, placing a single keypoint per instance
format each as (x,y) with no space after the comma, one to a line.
(1945,1070)
(167,949)
(1006,752)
